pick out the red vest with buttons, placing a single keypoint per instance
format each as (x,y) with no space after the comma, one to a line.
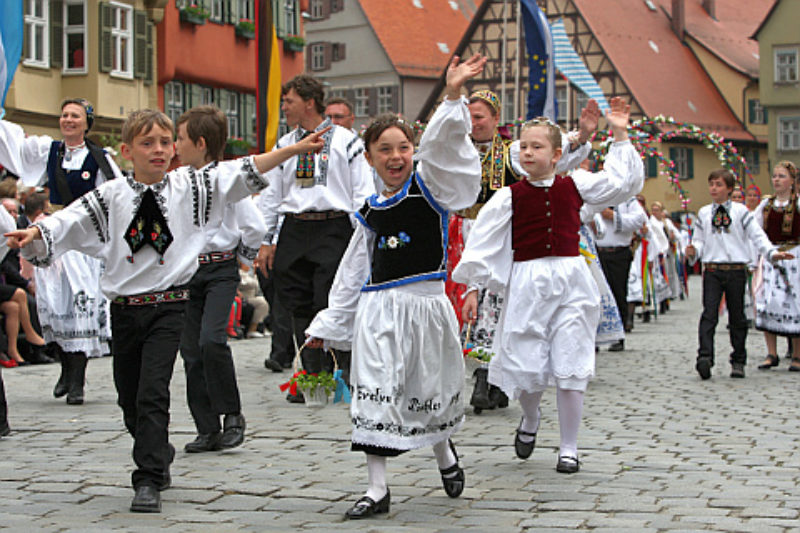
(545,220)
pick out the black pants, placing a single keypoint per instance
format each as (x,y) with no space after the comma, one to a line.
(616,266)
(282,350)
(145,344)
(211,388)
(306,260)
(732,284)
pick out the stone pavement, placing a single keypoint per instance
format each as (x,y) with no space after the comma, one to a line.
(661,451)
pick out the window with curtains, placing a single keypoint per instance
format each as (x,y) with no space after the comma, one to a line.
(684,162)
(786,65)
(75,59)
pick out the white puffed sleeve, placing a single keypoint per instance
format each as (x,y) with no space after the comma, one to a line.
(24,156)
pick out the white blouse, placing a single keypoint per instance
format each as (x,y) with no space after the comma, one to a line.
(450,168)
(488,255)
(97,222)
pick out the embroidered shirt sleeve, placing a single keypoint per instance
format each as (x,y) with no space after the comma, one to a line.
(97,209)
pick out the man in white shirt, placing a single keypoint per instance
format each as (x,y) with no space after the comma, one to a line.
(317,194)
(614,227)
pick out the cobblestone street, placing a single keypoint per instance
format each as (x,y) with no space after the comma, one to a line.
(661,450)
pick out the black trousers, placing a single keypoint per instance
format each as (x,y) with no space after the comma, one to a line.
(616,266)
(282,350)
(145,345)
(732,284)
(211,388)
(306,260)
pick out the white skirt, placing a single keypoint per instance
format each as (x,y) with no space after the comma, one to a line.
(407,369)
(546,334)
(778,296)
(73,311)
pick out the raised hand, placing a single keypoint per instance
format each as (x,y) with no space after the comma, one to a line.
(587,124)
(21,238)
(618,116)
(314,142)
(459,72)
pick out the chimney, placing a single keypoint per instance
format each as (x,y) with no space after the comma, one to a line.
(711,8)
(679,18)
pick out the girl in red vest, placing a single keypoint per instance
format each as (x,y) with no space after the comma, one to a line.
(525,245)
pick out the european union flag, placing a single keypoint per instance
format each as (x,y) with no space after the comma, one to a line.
(10,45)
(541,71)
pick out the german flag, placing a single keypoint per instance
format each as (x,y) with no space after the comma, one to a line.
(268,58)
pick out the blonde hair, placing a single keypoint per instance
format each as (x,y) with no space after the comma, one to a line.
(790,167)
(142,121)
(553,130)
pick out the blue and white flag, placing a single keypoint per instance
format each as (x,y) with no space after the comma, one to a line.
(570,65)
(541,70)
(11,23)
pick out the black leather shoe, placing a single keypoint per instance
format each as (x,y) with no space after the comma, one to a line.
(273,365)
(233,431)
(453,476)
(737,370)
(703,367)
(524,449)
(146,500)
(38,355)
(205,442)
(567,464)
(5,430)
(617,346)
(366,507)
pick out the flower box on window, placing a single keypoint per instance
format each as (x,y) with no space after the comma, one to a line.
(245,29)
(293,43)
(194,14)
(237,147)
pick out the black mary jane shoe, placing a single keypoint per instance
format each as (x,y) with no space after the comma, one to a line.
(453,476)
(567,464)
(769,362)
(524,449)
(366,507)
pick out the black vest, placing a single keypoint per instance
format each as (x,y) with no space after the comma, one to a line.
(410,237)
(79,182)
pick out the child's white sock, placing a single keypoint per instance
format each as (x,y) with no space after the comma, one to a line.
(376,468)
(529,401)
(570,410)
(444,455)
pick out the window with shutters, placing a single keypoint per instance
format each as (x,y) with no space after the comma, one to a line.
(684,162)
(75,59)
(216,11)
(249,117)
(361,104)
(290,23)
(318,56)
(651,166)
(337,51)
(174,100)
(245,10)
(758,114)
(231,102)
(789,134)
(786,65)
(315,9)
(385,99)
(37,49)
(121,40)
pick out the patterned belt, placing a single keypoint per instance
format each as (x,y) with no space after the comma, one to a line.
(470,212)
(724,266)
(152,298)
(317,215)
(216,257)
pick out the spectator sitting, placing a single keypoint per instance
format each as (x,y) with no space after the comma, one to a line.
(248,290)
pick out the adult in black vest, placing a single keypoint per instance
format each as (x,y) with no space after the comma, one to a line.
(72,310)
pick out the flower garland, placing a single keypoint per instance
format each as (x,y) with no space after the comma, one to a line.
(646,132)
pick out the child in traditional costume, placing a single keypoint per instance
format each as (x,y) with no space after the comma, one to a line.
(525,244)
(388,299)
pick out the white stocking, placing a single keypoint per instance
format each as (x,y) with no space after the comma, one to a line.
(376,468)
(570,410)
(529,401)
(444,455)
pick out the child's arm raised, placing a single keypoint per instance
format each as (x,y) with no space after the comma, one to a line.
(270,160)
